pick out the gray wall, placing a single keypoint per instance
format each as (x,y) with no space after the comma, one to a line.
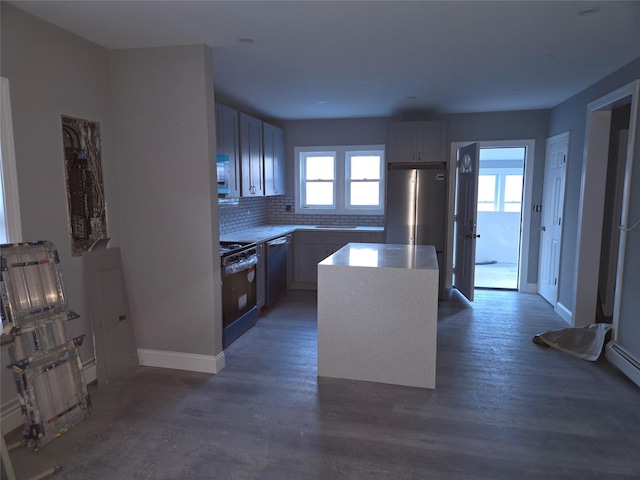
(571,115)
(52,72)
(521,125)
(163,105)
(156,106)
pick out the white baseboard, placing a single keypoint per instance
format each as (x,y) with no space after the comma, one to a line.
(564,313)
(11,416)
(626,361)
(530,288)
(181,361)
(90,371)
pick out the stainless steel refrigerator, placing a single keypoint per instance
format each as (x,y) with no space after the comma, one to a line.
(416,207)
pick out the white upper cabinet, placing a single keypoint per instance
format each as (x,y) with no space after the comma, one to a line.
(417,142)
(274,171)
(251,156)
(228,143)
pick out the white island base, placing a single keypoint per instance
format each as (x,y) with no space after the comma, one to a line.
(377,314)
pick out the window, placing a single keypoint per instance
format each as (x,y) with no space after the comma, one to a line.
(318,179)
(344,180)
(499,191)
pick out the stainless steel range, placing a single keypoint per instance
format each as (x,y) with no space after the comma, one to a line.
(239,310)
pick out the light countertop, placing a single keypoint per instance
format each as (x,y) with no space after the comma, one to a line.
(263,233)
(420,257)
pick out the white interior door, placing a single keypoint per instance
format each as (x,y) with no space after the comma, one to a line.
(465,219)
(555,167)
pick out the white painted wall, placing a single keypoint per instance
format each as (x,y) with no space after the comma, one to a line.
(499,237)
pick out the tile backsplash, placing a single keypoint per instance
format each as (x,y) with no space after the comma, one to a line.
(240,213)
(245,212)
(278,214)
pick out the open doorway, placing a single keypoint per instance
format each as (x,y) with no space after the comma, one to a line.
(500,180)
(606,133)
(512,162)
(618,146)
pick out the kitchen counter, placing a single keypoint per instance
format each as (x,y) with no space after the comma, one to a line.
(263,233)
(377,314)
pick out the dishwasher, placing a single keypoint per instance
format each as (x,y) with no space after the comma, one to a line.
(277,260)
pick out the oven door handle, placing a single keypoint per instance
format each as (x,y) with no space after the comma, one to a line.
(240,265)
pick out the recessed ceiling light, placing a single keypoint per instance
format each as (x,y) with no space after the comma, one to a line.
(321,102)
(546,58)
(246,40)
(586,11)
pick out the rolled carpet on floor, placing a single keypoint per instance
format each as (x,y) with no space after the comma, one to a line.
(582,342)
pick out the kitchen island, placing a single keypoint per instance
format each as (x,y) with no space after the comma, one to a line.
(377,314)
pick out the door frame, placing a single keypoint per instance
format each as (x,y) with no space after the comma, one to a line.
(523,253)
(591,206)
(565,138)
(8,170)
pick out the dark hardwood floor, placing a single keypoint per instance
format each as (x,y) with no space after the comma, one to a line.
(503,408)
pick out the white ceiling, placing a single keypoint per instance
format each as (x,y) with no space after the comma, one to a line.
(337,59)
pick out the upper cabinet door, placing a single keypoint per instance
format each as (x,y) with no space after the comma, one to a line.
(423,142)
(432,142)
(274,170)
(228,143)
(251,156)
(403,142)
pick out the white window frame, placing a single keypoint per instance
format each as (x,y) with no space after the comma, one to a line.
(342,180)
(500,175)
(301,199)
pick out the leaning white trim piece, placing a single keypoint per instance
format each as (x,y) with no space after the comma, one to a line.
(181,361)
(11,416)
(90,371)
(564,313)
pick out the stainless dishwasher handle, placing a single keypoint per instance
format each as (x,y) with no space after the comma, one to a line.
(278,241)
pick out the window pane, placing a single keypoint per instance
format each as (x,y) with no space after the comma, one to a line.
(319,168)
(513,188)
(365,167)
(486,188)
(486,207)
(365,193)
(319,193)
(512,207)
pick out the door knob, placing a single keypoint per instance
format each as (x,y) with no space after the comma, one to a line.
(472,235)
